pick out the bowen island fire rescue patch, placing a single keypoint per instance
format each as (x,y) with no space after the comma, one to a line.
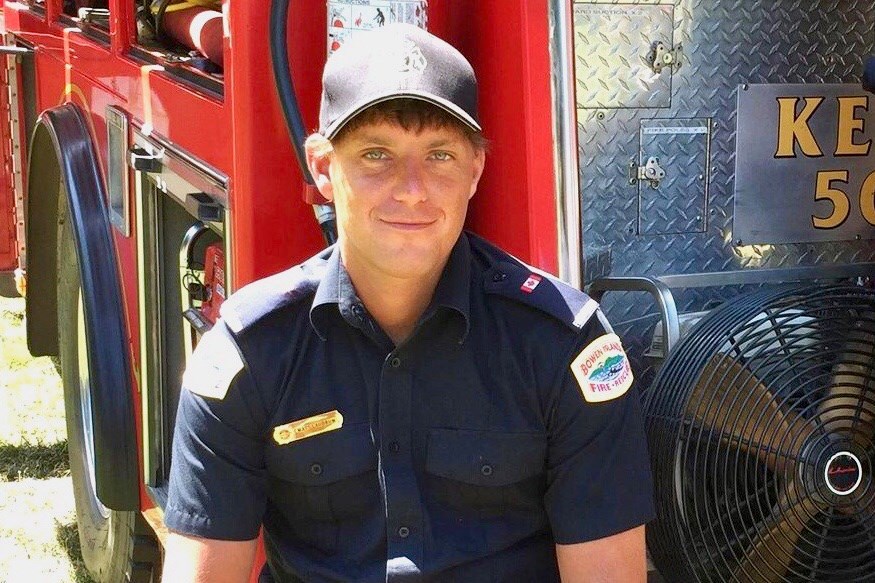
(602,369)
(303,428)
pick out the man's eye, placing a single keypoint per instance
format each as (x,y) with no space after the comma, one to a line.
(375,155)
(441,155)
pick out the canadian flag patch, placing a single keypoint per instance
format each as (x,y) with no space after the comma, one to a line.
(531,283)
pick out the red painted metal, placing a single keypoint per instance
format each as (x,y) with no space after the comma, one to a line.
(8,220)
(242,133)
(214,281)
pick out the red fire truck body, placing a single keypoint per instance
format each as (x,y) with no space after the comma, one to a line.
(227,125)
(143,183)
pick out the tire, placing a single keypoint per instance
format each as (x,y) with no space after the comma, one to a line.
(116,545)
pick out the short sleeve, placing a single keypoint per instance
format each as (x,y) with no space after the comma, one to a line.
(599,481)
(217,473)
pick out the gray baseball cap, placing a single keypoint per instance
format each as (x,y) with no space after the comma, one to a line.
(391,62)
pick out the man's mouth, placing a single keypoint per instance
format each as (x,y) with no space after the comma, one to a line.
(407,225)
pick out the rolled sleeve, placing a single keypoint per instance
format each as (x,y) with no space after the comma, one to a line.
(217,475)
(599,481)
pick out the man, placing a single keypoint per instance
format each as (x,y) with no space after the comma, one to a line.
(413,404)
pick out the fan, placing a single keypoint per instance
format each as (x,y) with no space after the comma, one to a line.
(761,425)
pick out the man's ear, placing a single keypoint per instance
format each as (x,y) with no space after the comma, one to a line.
(318,150)
(479,164)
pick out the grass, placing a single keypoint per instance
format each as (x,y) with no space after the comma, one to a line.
(39,542)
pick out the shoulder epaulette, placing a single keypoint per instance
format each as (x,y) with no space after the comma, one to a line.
(507,276)
(253,301)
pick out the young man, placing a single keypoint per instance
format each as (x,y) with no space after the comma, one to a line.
(412,404)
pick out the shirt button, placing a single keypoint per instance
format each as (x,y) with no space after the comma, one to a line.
(486,470)
(395,362)
(403,532)
(394,447)
(316,469)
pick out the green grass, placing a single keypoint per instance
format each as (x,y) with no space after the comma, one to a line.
(38,538)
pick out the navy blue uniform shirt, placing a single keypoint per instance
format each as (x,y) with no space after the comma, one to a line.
(496,430)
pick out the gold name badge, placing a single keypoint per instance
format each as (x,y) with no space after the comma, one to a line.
(304,428)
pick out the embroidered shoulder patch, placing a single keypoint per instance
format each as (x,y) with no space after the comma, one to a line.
(602,369)
(212,366)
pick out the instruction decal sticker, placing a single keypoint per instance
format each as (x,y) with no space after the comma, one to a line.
(303,428)
(602,369)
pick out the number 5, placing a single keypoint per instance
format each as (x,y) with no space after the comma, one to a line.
(840,203)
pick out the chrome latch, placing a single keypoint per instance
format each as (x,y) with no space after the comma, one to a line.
(651,172)
(144,161)
(661,56)
(89,15)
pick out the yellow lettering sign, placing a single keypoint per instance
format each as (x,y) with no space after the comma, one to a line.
(848,123)
(841,206)
(867,199)
(793,129)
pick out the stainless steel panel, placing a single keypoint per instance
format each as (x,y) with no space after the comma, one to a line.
(776,181)
(610,43)
(117,182)
(726,43)
(677,204)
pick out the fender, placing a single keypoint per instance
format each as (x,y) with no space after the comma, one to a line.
(62,149)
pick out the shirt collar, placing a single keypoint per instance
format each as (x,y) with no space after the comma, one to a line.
(335,288)
(452,290)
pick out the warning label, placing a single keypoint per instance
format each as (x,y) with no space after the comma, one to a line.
(346,17)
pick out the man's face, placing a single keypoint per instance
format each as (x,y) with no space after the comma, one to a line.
(401,196)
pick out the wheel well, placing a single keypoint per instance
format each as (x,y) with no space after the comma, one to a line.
(63,153)
(43,185)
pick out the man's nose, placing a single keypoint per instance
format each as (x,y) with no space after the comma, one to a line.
(412,186)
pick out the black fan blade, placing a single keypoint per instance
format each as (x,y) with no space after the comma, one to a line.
(768,558)
(849,403)
(733,403)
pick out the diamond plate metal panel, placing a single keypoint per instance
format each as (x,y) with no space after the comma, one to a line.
(726,43)
(677,204)
(610,43)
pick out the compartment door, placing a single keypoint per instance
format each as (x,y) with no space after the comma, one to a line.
(11,217)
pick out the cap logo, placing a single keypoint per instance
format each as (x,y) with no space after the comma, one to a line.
(413,59)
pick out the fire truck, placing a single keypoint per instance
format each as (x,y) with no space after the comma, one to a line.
(703,168)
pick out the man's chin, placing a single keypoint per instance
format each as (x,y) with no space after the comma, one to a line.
(411,261)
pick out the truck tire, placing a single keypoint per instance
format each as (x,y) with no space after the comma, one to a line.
(116,545)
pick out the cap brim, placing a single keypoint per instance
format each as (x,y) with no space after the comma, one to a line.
(447,106)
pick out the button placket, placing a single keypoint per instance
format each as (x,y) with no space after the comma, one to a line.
(403,504)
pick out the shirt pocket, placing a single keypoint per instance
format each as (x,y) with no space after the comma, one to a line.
(331,476)
(486,471)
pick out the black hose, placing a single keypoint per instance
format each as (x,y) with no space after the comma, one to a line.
(279,59)
(159,22)
(282,77)
(869,75)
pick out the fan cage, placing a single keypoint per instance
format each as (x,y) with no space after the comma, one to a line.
(759,423)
